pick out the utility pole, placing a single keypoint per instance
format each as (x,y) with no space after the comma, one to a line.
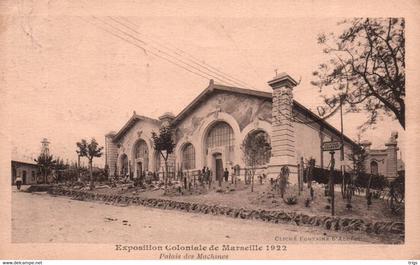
(332,182)
(343,185)
(332,147)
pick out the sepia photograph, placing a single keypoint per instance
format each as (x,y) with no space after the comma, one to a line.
(203,131)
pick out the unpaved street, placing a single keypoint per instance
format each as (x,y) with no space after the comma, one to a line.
(39,217)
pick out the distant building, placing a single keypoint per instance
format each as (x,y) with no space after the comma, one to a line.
(210,130)
(27,171)
(384,161)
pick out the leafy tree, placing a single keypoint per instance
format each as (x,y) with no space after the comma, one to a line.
(255,150)
(366,69)
(46,163)
(164,144)
(90,151)
(59,168)
(396,199)
(358,158)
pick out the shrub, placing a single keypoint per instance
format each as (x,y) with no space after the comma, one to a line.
(376,194)
(291,200)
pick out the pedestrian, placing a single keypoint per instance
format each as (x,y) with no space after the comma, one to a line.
(18,182)
(226,175)
(312,193)
(208,176)
(184,175)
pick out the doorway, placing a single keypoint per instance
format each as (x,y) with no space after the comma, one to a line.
(218,166)
(24,177)
(139,169)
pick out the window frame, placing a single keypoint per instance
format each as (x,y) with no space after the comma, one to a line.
(188,156)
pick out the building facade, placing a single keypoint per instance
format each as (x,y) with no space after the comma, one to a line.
(27,171)
(210,130)
(385,161)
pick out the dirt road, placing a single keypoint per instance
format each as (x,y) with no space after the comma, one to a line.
(39,217)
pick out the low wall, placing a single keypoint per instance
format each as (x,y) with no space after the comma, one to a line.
(327,222)
(39,188)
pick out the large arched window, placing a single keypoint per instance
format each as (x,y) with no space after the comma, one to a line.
(221,134)
(141,150)
(188,156)
(259,142)
(374,168)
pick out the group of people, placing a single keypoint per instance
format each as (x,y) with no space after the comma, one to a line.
(205,177)
(206,172)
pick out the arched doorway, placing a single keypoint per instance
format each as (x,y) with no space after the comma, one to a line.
(374,168)
(141,158)
(219,147)
(218,166)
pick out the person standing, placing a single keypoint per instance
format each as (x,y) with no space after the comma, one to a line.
(184,177)
(18,182)
(226,175)
(208,176)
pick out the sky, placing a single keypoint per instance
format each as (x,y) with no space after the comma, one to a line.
(68,79)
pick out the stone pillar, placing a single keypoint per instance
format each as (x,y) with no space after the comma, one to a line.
(111,153)
(283,135)
(391,158)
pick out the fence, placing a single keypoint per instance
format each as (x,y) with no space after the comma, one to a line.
(322,176)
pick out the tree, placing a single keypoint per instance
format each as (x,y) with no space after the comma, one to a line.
(396,199)
(46,164)
(366,71)
(164,144)
(358,158)
(59,169)
(255,150)
(90,151)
